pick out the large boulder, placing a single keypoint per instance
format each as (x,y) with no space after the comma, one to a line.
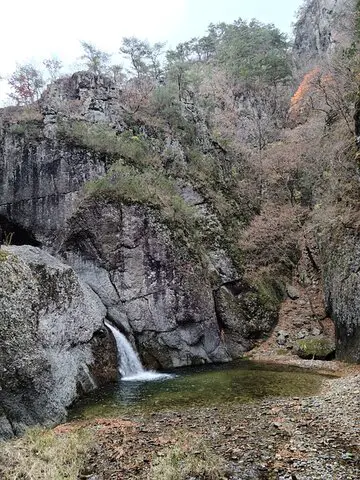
(315,348)
(49,324)
(160,298)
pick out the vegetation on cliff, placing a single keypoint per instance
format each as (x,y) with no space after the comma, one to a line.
(265,143)
(220,99)
(232,145)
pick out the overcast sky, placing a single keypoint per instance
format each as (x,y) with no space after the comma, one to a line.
(32,30)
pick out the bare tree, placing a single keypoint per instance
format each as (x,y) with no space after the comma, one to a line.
(53,66)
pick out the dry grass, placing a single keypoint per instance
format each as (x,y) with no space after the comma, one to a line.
(3,256)
(190,458)
(45,455)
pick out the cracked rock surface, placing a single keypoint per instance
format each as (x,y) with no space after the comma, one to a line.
(162,302)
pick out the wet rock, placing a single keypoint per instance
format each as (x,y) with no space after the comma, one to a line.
(164,305)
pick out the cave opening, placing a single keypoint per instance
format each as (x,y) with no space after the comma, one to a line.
(13,234)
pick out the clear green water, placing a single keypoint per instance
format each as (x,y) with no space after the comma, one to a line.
(239,382)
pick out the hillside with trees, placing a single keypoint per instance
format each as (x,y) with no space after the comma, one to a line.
(204,201)
(260,133)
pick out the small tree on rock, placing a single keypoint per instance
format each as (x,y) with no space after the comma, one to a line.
(53,66)
(144,57)
(26,84)
(96,61)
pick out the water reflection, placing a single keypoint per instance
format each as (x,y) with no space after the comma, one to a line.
(207,385)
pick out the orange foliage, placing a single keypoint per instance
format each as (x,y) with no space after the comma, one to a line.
(304,88)
(317,86)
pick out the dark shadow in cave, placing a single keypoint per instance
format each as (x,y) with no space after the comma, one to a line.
(13,234)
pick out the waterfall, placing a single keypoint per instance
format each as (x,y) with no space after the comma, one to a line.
(129,364)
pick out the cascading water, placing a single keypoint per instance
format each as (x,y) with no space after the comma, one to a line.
(129,364)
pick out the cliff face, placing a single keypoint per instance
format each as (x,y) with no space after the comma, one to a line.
(161,300)
(40,175)
(322,25)
(340,266)
(154,258)
(324,28)
(340,252)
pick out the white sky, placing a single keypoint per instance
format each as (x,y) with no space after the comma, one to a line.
(32,30)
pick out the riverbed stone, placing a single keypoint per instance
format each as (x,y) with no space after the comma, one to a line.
(317,348)
(292,292)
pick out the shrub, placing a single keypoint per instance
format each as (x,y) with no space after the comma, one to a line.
(3,255)
(147,187)
(282,351)
(223,187)
(166,105)
(270,290)
(30,129)
(271,240)
(103,139)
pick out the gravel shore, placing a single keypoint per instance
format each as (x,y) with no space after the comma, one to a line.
(311,438)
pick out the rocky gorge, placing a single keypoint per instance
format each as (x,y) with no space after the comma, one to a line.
(106,214)
(178,310)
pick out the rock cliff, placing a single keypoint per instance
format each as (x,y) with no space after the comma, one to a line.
(339,243)
(324,28)
(50,322)
(340,259)
(122,204)
(161,300)
(322,25)
(41,174)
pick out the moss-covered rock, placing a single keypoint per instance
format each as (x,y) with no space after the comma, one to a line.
(315,348)
(3,256)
